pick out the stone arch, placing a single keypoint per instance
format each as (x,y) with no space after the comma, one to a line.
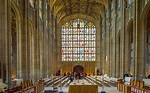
(129,60)
(18,37)
(75,16)
(144,31)
(78,69)
(14,43)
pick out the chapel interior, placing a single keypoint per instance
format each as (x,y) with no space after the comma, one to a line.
(75,41)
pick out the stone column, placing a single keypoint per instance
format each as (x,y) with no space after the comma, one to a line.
(48,40)
(53,46)
(1,70)
(46,56)
(45,39)
(32,55)
(50,45)
(5,45)
(24,68)
(107,56)
(139,63)
(36,41)
(38,46)
(28,42)
(98,53)
(117,52)
(104,44)
(122,39)
(114,43)
(101,46)
(40,49)
(8,44)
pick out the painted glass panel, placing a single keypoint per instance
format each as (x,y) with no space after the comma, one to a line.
(78,41)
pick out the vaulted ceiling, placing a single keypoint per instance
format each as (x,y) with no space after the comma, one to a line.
(65,8)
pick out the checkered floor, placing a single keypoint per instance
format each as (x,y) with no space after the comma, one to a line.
(107,89)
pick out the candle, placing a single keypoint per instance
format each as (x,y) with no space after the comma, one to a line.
(96,71)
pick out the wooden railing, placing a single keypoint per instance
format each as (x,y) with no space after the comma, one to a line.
(133,87)
(27,87)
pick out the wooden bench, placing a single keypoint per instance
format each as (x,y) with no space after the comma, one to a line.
(112,79)
(146,85)
(120,84)
(28,87)
(126,85)
(16,82)
(146,82)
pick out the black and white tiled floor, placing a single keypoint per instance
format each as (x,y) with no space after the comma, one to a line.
(107,89)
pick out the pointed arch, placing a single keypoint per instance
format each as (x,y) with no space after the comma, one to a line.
(17,12)
(144,29)
(75,16)
(129,49)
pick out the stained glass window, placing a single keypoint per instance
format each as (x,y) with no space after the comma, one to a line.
(78,41)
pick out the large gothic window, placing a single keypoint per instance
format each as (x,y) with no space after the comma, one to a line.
(78,41)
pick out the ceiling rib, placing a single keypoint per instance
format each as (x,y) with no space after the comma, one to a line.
(93,8)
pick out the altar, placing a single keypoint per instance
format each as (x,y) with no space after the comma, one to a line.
(83,88)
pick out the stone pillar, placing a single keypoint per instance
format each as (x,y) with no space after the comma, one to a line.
(104,44)
(117,53)
(56,55)
(5,37)
(45,39)
(139,63)
(49,45)
(44,64)
(98,53)
(107,55)
(38,48)
(53,46)
(46,56)
(24,67)
(8,46)
(101,46)
(32,46)
(36,41)
(51,54)
(122,41)
(114,73)
(27,42)
(1,70)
